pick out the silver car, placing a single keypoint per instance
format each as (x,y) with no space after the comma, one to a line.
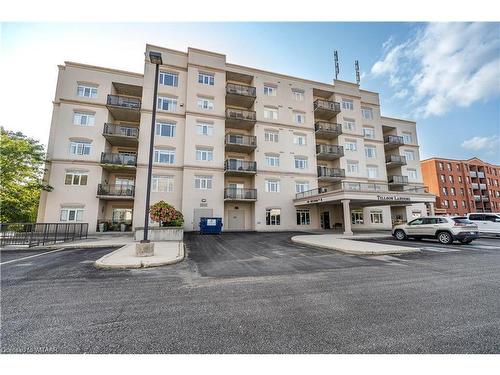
(444,228)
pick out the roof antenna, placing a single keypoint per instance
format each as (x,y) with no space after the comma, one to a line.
(337,68)
(356,67)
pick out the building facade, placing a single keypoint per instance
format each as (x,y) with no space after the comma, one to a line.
(462,186)
(262,150)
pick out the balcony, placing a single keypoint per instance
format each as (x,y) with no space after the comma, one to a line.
(240,119)
(235,167)
(115,191)
(482,186)
(395,161)
(121,135)
(326,109)
(477,198)
(480,174)
(473,174)
(398,180)
(240,194)
(485,199)
(475,186)
(115,161)
(393,141)
(124,108)
(327,130)
(329,152)
(330,174)
(240,143)
(240,95)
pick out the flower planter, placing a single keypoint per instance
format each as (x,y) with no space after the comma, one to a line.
(161,233)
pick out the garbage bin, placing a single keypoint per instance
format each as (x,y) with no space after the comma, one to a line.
(210,225)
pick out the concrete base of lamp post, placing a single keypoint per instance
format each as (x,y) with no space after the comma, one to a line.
(145,249)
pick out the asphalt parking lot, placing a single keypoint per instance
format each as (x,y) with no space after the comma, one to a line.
(255,293)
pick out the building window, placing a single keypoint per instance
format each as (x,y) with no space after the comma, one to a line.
(271,136)
(203,182)
(162,184)
(204,154)
(376,217)
(80,148)
(442,178)
(369,133)
(300,162)
(462,191)
(71,214)
(372,172)
(273,216)
(455,204)
(272,186)
(450,177)
(350,125)
(270,90)
(298,95)
(409,154)
(86,91)
(460,179)
(169,79)
(303,217)
(270,113)
(167,104)
(357,217)
(301,186)
(371,152)
(367,113)
(350,145)
(273,160)
(205,103)
(445,191)
(84,119)
(463,204)
(352,167)
(299,139)
(448,165)
(76,178)
(204,128)
(407,138)
(412,174)
(164,156)
(206,79)
(347,104)
(165,129)
(452,191)
(299,118)
(441,166)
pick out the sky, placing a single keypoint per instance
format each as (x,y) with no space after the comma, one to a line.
(445,76)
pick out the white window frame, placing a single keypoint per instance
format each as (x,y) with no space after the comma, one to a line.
(207,104)
(204,128)
(270,90)
(376,217)
(202,182)
(166,103)
(367,113)
(274,216)
(206,78)
(271,136)
(65,214)
(407,137)
(301,162)
(407,154)
(352,166)
(350,124)
(298,95)
(80,147)
(272,186)
(371,168)
(162,184)
(169,154)
(299,118)
(175,78)
(303,217)
(270,113)
(368,132)
(76,177)
(160,126)
(83,118)
(301,186)
(299,139)
(357,217)
(348,104)
(272,160)
(370,151)
(204,154)
(350,145)
(82,90)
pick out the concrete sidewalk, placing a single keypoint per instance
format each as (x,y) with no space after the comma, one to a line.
(349,245)
(166,252)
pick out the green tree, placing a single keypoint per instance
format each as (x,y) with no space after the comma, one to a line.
(21,173)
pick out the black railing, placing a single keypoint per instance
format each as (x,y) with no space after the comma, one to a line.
(399,180)
(118,159)
(240,165)
(118,190)
(239,114)
(243,140)
(233,88)
(121,130)
(124,102)
(114,225)
(34,234)
(396,159)
(328,105)
(394,140)
(331,172)
(330,127)
(240,193)
(330,149)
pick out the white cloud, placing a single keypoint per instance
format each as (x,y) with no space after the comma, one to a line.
(444,65)
(401,94)
(482,143)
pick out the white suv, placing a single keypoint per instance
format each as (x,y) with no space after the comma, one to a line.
(446,229)
(486,222)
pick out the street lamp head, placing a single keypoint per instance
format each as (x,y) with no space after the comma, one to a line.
(155,58)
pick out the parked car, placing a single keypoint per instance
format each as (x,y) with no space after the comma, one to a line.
(445,229)
(486,222)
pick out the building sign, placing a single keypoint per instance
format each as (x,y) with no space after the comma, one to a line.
(314,200)
(393,198)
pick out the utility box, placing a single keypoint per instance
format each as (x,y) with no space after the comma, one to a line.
(210,225)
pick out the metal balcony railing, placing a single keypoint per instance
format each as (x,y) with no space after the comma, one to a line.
(396,159)
(323,126)
(240,165)
(398,180)
(394,140)
(330,149)
(239,114)
(331,172)
(121,130)
(473,174)
(233,88)
(475,185)
(240,193)
(118,159)
(118,190)
(124,102)
(328,105)
(241,140)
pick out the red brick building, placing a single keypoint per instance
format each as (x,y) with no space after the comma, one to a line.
(462,186)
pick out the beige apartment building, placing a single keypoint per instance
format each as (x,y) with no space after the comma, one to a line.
(264,151)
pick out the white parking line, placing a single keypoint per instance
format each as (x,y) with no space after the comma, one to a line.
(31,256)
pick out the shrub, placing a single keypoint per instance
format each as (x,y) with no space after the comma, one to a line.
(166,215)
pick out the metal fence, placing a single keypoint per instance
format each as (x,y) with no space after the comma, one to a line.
(34,234)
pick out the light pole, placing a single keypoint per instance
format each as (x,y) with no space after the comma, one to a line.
(154,58)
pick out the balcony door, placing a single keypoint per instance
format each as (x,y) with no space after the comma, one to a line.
(122,215)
